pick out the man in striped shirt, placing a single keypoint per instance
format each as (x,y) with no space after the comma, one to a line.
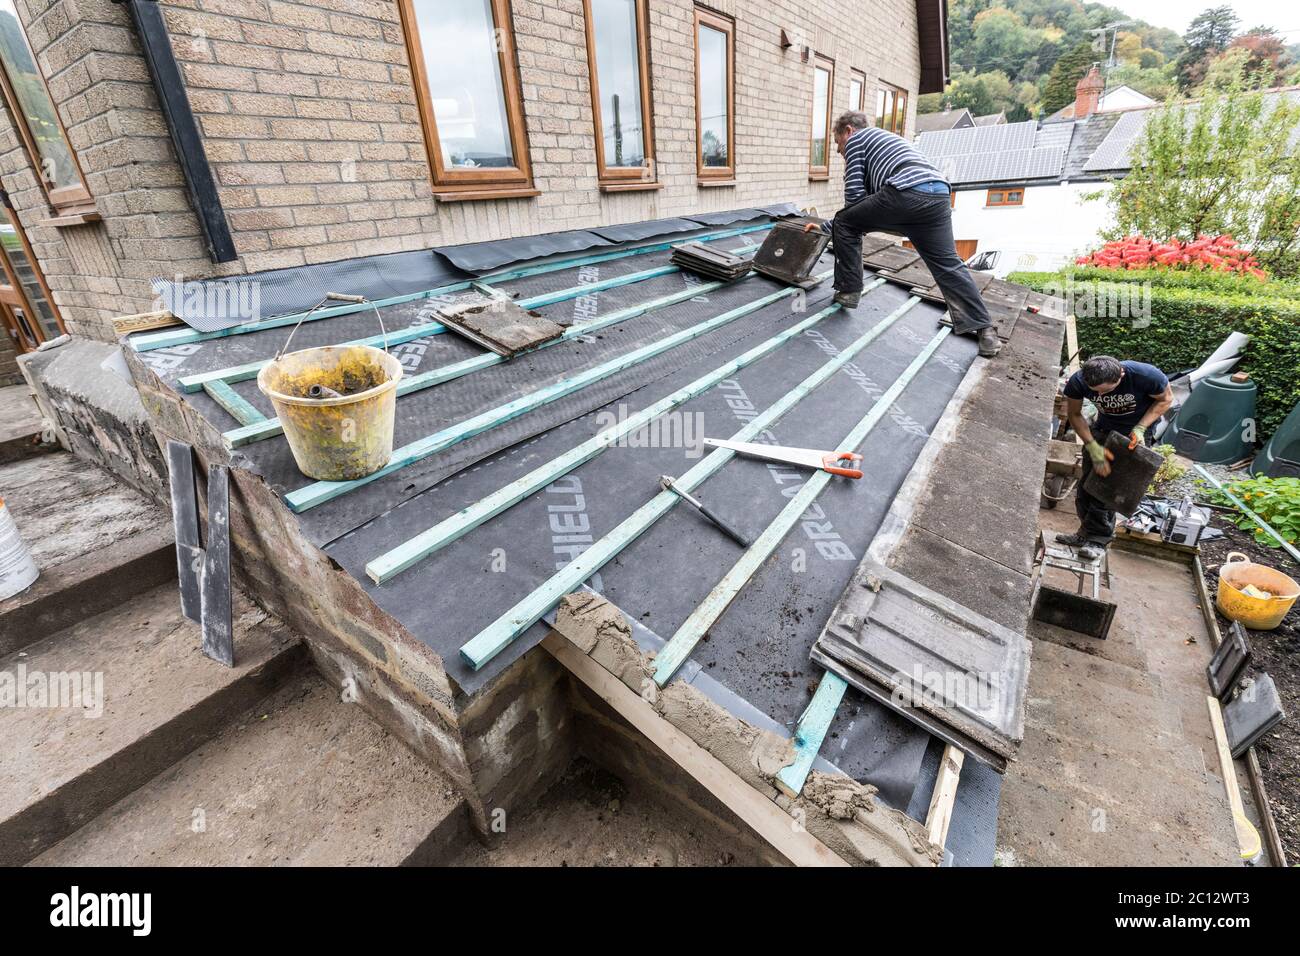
(890,186)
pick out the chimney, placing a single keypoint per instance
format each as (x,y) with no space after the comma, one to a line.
(1087,93)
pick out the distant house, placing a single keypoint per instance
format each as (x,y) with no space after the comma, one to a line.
(948,119)
(1119,98)
(1018,188)
(992,119)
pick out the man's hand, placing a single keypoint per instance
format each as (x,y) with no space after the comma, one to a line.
(1137,437)
(812,227)
(1101,457)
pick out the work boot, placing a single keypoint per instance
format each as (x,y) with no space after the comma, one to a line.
(1088,550)
(990,345)
(848,300)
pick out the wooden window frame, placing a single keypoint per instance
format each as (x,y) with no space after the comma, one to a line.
(71,200)
(861,105)
(452,185)
(822,62)
(716,175)
(897,116)
(1004,197)
(623,178)
(12,291)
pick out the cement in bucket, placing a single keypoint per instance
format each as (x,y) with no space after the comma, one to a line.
(17,569)
(335,439)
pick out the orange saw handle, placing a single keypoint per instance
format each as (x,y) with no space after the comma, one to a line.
(831,461)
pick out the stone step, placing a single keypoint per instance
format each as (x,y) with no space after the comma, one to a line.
(153,699)
(301,779)
(1055,824)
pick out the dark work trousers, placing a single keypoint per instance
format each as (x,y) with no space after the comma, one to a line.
(1096,521)
(926,220)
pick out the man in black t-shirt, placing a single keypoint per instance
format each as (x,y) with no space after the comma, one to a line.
(1130,397)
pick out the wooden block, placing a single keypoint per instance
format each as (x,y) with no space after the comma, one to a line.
(144,321)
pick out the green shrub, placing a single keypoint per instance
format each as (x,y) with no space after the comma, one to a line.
(1171,469)
(1276,500)
(1191,315)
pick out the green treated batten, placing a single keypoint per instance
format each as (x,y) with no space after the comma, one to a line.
(497,636)
(320,492)
(235,404)
(810,732)
(246,435)
(680,645)
(388,565)
(169,337)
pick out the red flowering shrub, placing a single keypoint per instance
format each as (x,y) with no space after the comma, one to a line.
(1213,253)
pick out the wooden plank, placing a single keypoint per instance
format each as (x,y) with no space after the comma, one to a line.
(185,520)
(810,732)
(939,816)
(319,492)
(1247,836)
(144,322)
(239,408)
(760,814)
(680,645)
(1072,343)
(497,636)
(397,560)
(214,580)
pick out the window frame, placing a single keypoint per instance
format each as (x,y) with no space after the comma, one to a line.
(613,178)
(897,117)
(861,79)
(450,185)
(819,62)
(1004,192)
(13,292)
(64,199)
(716,175)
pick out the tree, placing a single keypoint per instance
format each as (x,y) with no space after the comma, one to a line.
(1222,165)
(1065,76)
(1207,35)
(1266,57)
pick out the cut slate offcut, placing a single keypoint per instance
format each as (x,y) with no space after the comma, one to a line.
(1252,714)
(500,325)
(955,673)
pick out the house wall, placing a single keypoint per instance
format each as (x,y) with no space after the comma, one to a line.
(1054,225)
(309,119)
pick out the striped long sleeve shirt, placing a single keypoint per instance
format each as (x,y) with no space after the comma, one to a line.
(874,158)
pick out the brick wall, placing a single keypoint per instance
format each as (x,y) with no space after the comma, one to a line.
(310,122)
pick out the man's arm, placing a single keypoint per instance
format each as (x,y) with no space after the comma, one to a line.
(1101,457)
(1163,402)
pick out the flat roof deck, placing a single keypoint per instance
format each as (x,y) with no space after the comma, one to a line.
(759,648)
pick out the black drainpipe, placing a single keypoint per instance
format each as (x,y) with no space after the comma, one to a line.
(169,86)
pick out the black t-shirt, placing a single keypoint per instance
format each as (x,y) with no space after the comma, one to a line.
(1124,407)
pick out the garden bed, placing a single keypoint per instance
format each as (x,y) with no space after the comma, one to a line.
(1278,653)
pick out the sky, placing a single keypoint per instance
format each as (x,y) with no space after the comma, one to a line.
(1177,14)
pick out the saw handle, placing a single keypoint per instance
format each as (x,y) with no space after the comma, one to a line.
(831,464)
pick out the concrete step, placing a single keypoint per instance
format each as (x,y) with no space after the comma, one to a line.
(1071,703)
(20,424)
(301,779)
(1093,668)
(154,698)
(1119,652)
(1055,824)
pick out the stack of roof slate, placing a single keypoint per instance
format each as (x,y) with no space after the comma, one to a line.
(704,260)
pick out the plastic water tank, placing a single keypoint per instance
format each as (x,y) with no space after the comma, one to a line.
(1211,426)
(1281,456)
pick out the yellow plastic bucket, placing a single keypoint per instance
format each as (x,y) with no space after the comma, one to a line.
(335,439)
(1257,613)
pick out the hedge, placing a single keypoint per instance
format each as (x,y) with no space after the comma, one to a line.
(1191,314)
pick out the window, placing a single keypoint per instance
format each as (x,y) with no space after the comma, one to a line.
(715,97)
(619,60)
(26,306)
(1006,197)
(819,147)
(463,61)
(891,108)
(37,121)
(857,91)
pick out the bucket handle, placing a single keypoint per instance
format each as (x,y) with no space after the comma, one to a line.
(1236,557)
(333,297)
